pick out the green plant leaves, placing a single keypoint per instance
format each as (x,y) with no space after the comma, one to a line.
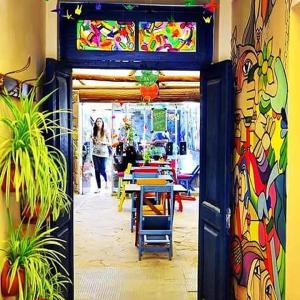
(39,169)
(41,265)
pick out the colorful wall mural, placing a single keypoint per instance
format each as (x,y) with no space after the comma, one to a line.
(105,35)
(259,54)
(167,36)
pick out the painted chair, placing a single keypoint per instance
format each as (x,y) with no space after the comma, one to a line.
(186,179)
(155,232)
(143,181)
(179,197)
(121,187)
(146,170)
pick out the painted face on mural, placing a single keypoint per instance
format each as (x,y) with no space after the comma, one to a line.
(252,280)
(246,87)
(242,194)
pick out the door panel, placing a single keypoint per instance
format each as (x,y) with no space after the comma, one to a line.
(57,77)
(215,181)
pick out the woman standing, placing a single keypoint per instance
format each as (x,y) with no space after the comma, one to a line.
(101,142)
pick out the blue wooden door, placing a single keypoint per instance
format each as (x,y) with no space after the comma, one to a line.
(60,78)
(215,181)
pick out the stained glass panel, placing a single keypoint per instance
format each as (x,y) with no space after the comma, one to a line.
(167,36)
(105,35)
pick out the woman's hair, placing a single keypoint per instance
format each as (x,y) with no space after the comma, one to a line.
(95,128)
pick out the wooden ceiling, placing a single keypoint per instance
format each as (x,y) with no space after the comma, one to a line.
(103,86)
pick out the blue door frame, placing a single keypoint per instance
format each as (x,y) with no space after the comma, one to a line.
(74,58)
(216,138)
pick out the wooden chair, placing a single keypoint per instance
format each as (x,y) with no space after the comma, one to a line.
(143,181)
(155,232)
(122,194)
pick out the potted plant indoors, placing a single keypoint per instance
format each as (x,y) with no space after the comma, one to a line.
(155,153)
(147,156)
(34,170)
(29,259)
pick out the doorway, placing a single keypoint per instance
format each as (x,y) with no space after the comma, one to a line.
(105,258)
(216,131)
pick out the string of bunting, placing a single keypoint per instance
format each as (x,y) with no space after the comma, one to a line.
(209,9)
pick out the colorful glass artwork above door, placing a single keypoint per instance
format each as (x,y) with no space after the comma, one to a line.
(167,36)
(105,35)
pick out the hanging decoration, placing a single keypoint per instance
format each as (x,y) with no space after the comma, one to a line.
(149,89)
(129,7)
(98,6)
(78,10)
(211,6)
(68,16)
(150,92)
(207,19)
(146,77)
(189,2)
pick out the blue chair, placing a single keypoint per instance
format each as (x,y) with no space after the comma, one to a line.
(155,232)
(137,176)
(186,179)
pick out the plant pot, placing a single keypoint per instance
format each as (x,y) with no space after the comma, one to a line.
(5,280)
(149,92)
(28,217)
(156,157)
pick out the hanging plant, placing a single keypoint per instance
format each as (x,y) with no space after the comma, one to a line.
(147,77)
(28,166)
(189,2)
(149,88)
(149,93)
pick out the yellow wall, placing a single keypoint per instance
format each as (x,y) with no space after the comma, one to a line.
(51,30)
(22,24)
(293,208)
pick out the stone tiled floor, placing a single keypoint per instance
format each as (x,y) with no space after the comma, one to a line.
(106,260)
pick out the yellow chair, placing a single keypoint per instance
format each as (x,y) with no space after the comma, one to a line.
(122,194)
(150,209)
(151,181)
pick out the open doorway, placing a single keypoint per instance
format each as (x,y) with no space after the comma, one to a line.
(106,259)
(216,119)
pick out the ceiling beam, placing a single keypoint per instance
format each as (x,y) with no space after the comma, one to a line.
(131,78)
(135,86)
(133,95)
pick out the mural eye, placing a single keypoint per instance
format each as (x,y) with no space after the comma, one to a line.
(257,270)
(247,66)
(268,290)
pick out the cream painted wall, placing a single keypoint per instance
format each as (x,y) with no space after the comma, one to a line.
(293,192)
(22,35)
(51,30)
(222,35)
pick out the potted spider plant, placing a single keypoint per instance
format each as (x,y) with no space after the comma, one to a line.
(52,286)
(28,165)
(29,259)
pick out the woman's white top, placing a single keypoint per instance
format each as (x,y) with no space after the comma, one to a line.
(100,145)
